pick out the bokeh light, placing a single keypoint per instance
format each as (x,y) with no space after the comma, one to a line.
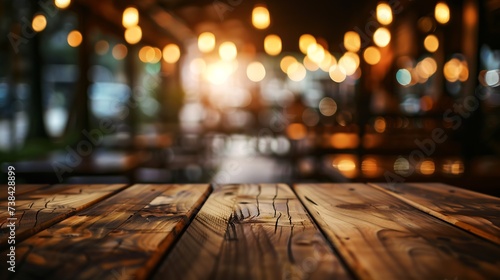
(206,42)
(260,17)
(431,43)
(327,107)
(119,51)
(403,76)
(337,73)
(352,41)
(256,72)
(171,53)
(286,62)
(384,13)
(74,38)
(133,35)
(130,17)
(305,41)
(372,55)
(39,23)
(382,37)
(62,4)
(272,45)
(442,13)
(228,51)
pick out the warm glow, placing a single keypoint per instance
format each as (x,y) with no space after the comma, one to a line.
(206,42)
(62,4)
(296,72)
(119,51)
(452,70)
(464,72)
(346,165)
(344,140)
(382,37)
(133,35)
(431,43)
(352,41)
(197,66)
(372,55)
(228,51)
(260,17)
(316,53)
(349,62)
(309,64)
(327,107)
(39,23)
(286,62)
(305,41)
(130,17)
(337,73)
(171,53)
(327,62)
(146,54)
(380,125)
(427,167)
(272,45)
(256,72)
(370,168)
(219,72)
(75,38)
(453,167)
(442,13)
(426,68)
(384,13)
(296,131)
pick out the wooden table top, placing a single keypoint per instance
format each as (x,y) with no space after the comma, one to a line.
(266,231)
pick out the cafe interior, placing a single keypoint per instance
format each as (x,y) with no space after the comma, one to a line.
(251,91)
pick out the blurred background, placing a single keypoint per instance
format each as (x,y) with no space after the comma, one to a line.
(233,91)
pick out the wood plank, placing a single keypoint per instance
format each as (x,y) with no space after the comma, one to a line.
(39,209)
(252,232)
(472,211)
(382,237)
(122,237)
(20,189)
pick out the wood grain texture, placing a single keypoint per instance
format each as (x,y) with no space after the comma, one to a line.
(472,211)
(43,207)
(251,232)
(20,189)
(382,237)
(122,237)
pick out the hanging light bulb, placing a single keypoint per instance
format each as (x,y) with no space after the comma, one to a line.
(442,13)
(260,17)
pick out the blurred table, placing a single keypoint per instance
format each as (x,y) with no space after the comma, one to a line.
(252,231)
